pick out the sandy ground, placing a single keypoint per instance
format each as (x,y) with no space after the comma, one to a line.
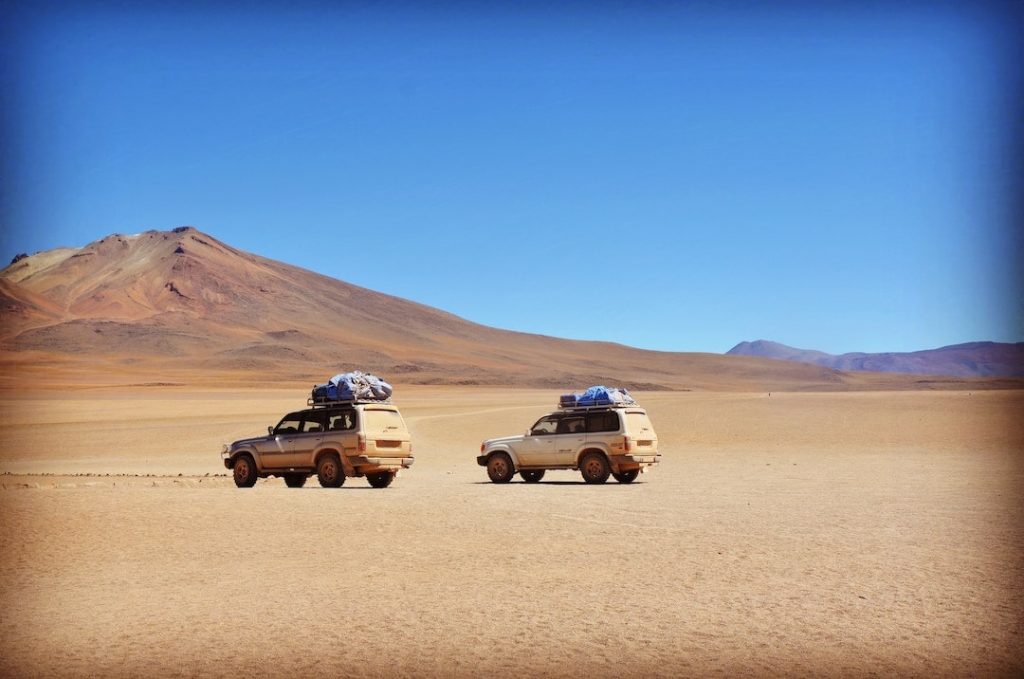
(829,534)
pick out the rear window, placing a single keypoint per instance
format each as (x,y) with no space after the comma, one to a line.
(637,424)
(341,421)
(602,421)
(383,421)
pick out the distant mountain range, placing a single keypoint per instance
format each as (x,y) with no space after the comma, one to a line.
(973,359)
(182,306)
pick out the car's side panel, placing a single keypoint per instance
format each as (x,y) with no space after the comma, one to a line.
(533,450)
(272,451)
(300,448)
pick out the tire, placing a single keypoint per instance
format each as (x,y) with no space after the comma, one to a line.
(532,475)
(244,471)
(329,471)
(295,480)
(594,468)
(499,468)
(380,479)
(626,476)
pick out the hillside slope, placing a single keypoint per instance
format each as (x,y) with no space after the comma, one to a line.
(181,305)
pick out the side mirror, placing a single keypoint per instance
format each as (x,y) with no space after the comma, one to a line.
(270,429)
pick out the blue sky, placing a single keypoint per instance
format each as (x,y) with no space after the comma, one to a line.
(671,176)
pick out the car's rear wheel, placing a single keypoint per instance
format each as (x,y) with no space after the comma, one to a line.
(380,479)
(532,475)
(627,476)
(329,472)
(244,471)
(295,480)
(499,468)
(594,468)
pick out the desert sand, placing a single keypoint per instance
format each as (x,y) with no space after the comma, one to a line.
(849,534)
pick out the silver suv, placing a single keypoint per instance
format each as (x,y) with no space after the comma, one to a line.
(332,441)
(599,441)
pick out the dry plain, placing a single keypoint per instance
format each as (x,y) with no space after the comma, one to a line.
(855,534)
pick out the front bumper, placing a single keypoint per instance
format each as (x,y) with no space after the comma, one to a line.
(482,460)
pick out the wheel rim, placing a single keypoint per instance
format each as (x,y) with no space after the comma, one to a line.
(499,468)
(330,472)
(593,468)
(241,469)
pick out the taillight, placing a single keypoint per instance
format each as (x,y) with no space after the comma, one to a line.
(362,443)
(625,443)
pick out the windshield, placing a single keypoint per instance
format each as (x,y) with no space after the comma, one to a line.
(383,422)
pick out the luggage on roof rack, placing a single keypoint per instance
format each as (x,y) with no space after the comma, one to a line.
(351,387)
(325,402)
(597,397)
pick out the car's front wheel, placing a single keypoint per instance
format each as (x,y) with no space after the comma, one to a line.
(594,468)
(532,475)
(499,468)
(329,472)
(244,471)
(380,479)
(626,476)
(295,480)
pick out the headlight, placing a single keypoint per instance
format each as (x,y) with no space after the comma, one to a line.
(224,450)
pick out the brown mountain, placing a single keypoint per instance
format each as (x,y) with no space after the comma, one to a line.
(973,359)
(182,306)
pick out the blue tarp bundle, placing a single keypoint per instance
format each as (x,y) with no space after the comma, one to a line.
(598,396)
(353,386)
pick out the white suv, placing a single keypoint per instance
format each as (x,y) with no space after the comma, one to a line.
(599,441)
(333,441)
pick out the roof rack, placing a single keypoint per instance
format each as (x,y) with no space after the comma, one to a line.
(598,406)
(327,402)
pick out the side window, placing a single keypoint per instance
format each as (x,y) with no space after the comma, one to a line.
(343,421)
(603,421)
(571,425)
(313,421)
(545,425)
(290,424)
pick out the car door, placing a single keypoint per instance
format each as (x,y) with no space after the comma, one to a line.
(300,447)
(538,448)
(569,438)
(275,450)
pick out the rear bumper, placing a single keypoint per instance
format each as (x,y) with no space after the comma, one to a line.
(381,462)
(633,460)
